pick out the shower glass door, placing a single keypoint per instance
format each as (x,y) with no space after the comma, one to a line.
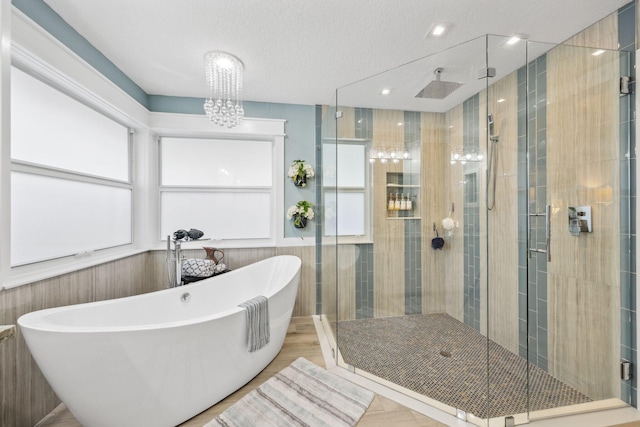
(451,269)
(575,194)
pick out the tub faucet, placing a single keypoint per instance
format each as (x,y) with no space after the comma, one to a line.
(176,259)
(178,255)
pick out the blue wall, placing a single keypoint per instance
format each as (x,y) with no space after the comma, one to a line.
(44,16)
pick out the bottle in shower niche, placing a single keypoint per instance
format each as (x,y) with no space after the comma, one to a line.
(403,202)
(390,203)
(409,202)
(396,205)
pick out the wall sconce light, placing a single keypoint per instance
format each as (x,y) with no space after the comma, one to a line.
(384,155)
(464,156)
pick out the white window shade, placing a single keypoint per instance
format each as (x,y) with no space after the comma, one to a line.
(52,129)
(345,189)
(220,215)
(344,213)
(221,186)
(53,217)
(216,162)
(348,169)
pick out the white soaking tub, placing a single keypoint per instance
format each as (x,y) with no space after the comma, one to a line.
(161,358)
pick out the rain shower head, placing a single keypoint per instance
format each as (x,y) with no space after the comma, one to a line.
(438,89)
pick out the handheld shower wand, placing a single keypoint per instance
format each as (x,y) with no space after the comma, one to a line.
(493,164)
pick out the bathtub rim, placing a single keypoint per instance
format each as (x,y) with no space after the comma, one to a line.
(37,320)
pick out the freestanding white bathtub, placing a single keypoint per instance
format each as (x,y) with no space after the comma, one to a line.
(161,358)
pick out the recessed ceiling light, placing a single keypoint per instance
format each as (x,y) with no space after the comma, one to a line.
(598,52)
(385,91)
(513,40)
(438,30)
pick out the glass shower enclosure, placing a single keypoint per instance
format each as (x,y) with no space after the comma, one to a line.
(477,229)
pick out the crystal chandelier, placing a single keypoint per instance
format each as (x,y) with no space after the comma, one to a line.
(224,81)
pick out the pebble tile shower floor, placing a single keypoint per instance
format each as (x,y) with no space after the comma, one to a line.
(446,360)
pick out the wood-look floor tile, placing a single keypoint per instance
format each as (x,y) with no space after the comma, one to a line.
(386,412)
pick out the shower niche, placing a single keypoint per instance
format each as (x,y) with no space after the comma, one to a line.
(403,196)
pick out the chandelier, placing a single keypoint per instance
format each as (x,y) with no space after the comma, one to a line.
(224,81)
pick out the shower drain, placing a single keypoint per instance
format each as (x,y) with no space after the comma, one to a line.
(445,353)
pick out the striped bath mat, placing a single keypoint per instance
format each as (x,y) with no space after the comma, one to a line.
(302,394)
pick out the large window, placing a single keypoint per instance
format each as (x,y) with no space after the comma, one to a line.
(71,191)
(345,189)
(223,187)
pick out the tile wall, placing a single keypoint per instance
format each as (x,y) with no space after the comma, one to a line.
(583,169)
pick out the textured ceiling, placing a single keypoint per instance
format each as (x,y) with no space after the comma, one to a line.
(300,51)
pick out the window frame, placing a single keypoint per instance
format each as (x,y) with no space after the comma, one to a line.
(366,189)
(271,190)
(191,125)
(30,168)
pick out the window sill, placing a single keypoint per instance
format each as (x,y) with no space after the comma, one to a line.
(347,240)
(239,244)
(27,274)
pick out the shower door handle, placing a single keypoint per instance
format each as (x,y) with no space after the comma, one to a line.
(547,224)
(548,231)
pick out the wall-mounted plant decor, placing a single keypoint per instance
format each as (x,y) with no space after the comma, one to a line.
(299,172)
(300,213)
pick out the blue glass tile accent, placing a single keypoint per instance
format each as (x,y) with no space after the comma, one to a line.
(412,228)
(625,392)
(364,123)
(413,270)
(626,27)
(532,277)
(364,282)
(471,214)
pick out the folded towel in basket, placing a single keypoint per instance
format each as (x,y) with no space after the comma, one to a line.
(196,267)
(258,330)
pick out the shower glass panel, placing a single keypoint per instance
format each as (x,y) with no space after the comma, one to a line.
(411,295)
(326,243)
(449,268)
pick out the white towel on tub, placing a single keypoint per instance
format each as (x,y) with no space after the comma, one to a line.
(258,330)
